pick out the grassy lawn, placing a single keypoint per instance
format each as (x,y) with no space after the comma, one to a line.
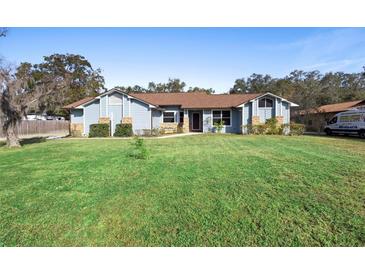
(205,190)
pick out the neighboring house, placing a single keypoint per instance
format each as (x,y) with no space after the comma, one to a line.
(44,116)
(173,111)
(316,119)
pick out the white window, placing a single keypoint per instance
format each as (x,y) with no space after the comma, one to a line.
(168,117)
(265,103)
(222,115)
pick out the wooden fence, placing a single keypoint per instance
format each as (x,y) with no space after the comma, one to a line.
(29,128)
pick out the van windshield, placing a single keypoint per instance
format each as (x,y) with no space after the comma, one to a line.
(333,120)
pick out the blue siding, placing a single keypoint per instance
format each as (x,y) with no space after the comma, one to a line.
(77,116)
(126,108)
(103,106)
(141,116)
(156,118)
(247,114)
(235,122)
(207,120)
(286,112)
(91,112)
(115,115)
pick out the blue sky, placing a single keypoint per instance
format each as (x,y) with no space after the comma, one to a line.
(205,57)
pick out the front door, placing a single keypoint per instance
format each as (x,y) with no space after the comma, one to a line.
(196,121)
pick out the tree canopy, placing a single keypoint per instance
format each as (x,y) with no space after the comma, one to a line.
(82,79)
(173,85)
(308,89)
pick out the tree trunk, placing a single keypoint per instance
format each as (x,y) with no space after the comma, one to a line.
(12,139)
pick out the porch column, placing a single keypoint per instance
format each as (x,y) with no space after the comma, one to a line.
(185,126)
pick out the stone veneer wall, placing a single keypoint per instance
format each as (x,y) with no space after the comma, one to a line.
(169,127)
(255,120)
(280,119)
(185,125)
(127,120)
(104,120)
(76,129)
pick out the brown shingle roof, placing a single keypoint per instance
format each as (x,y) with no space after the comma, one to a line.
(338,107)
(195,99)
(78,103)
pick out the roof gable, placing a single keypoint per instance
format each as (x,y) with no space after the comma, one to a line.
(339,106)
(186,100)
(195,99)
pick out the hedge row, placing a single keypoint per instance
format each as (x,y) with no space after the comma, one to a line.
(271,127)
(123,130)
(103,130)
(99,130)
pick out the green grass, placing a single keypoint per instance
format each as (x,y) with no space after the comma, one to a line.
(205,190)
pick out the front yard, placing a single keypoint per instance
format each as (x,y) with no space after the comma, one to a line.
(205,190)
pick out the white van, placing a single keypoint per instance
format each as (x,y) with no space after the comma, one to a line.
(348,122)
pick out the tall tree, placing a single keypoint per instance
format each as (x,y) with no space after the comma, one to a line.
(240,86)
(84,80)
(20,89)
(198,89)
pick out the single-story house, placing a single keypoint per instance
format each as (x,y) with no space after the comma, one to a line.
(193,111)
(316,119)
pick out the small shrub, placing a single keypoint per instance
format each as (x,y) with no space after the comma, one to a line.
(218,126)
(123,130)
(272,127)
(155,132)
(255,129)
(147,132)
(99,130)
(139,149)
(283,129)
(296,129)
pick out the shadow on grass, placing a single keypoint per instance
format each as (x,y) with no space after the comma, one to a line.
(33,140)
(27,141)
(341,137)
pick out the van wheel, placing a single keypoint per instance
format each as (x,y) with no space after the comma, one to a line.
(362,134)
(328,131)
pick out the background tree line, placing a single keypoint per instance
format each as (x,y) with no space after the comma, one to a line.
(173,85)
(308,89)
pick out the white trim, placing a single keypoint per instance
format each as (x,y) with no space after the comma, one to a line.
(129,106)
(99,107)
(192,120)
(243,118)
(122,106)
(83,121)
(111,124)
(107,106)
(258,103)
(119,91)
(276,106)
(270,94)
(231,117)
(276,96)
